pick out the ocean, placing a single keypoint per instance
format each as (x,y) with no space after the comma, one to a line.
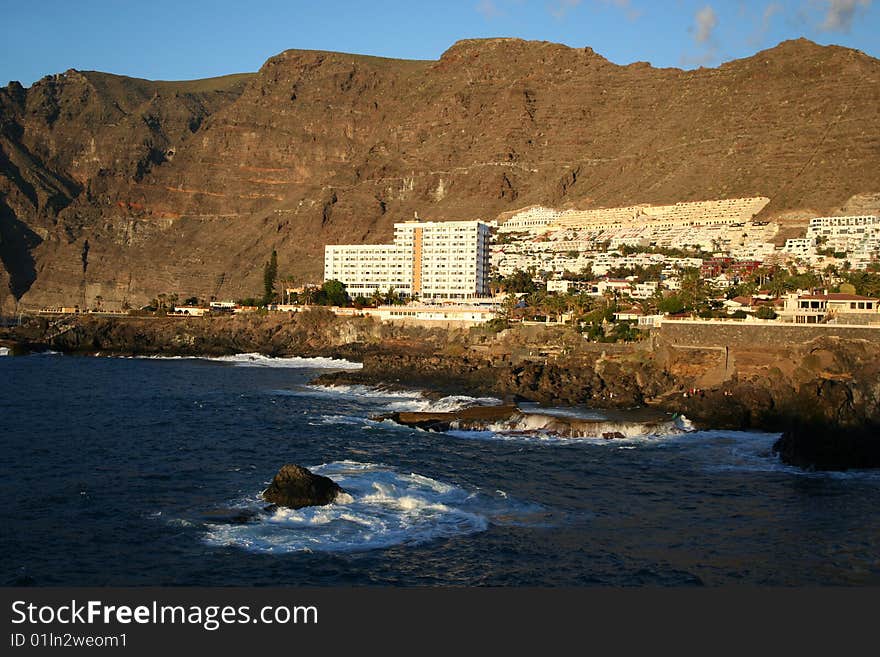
(129,472)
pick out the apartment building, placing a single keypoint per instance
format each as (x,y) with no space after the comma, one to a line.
(854,235)
(830,307)
(431,260)
(367,268)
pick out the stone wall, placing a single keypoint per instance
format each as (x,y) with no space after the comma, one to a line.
(695,333)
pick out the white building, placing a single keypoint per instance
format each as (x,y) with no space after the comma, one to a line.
(532,220)
(802,247)
(857,236)
(830,308)
(431,260)
(366,268)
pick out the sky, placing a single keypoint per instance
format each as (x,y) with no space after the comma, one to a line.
(179,40)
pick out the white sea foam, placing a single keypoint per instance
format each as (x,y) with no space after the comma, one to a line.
(534,428)
(4,351)
(563,411)
(383,508)
(396,400)
(357,391)
(752,451)
(442,405)
(338,419)
(534,422)
(259,360)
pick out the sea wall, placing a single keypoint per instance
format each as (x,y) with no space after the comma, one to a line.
(708,333)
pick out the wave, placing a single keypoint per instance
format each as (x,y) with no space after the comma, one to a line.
(383,508)
(563,411)
(549,430)
(357,391)
(577,428)
(4,351)
(442,405)
(259,360)
(397,400)
(553,439)
(752,451)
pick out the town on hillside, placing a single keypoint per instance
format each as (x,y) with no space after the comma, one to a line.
(611,273)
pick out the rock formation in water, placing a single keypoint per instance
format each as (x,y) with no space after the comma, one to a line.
(817,385)
(295,487)
(187,187)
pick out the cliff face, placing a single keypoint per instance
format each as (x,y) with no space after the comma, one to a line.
(187,187)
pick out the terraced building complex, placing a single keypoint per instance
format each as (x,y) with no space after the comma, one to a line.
(696,213)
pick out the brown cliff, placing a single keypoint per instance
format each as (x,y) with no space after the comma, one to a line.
(187,187)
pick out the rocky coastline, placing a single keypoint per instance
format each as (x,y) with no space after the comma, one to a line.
(822,396)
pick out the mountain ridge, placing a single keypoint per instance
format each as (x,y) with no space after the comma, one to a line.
(188,190)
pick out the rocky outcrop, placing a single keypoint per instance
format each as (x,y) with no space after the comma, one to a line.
(188,187)
(295,487)
(827,382)
(474,418)
(310,333)
(828,446)
(623,382)
(510,419)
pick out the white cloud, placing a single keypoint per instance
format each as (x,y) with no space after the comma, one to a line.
(839,14)
(624,5)
(559,8)
(488,9)
(769,12)
(706,23)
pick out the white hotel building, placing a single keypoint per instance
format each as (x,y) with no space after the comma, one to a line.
(431,260)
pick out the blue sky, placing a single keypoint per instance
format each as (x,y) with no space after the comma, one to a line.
(175,40)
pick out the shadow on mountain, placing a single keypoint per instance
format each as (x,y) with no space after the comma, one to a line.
(17,241)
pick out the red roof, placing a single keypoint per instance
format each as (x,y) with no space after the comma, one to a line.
(840,296)
(837,296)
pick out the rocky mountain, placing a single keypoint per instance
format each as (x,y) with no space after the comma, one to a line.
(114,190)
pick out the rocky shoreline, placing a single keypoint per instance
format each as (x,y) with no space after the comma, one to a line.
(823,396)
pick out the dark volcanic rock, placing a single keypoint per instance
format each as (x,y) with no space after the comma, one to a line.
(295,487)
(471,418)
(830,447)
(232,516)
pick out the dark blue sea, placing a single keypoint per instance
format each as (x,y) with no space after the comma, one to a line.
(130,471)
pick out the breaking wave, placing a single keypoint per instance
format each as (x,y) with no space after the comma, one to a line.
(383,508)
(259,360)
(548,430)
(752,451)
(442,405)
(395,400)
(578,428)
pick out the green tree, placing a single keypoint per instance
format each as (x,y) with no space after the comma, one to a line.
(693,288)
(765,312)
(671,304)
(393,298)
(518,282)
(866,283)
(332,293)
(270,275)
